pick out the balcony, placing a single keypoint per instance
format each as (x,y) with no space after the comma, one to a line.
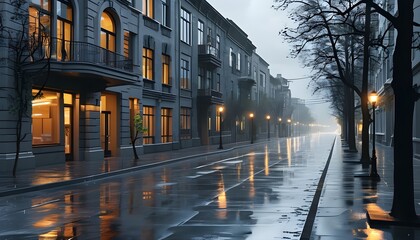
(82,66)
(209,96)
(208,55)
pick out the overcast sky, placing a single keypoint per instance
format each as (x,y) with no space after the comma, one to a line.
(262,24)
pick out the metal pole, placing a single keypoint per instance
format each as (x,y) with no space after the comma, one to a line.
(268,128)
(373,169)
(220,131)
(252,130)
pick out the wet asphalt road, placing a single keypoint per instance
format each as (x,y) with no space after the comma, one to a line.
(260,192)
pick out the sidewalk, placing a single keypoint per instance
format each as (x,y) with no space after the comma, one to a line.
(341,212)
(80,171)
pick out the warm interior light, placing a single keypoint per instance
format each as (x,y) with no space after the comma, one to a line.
(40,103)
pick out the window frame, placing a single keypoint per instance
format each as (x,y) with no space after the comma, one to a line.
(185,82)
(148,8)
(185,26)
(166,66)
(166,125)
(185,123)
(148,63)
(149,124)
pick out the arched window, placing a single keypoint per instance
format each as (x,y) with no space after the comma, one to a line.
(107,32)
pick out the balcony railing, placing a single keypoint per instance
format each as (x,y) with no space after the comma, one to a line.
(83,52)
(209,93)
(209,48)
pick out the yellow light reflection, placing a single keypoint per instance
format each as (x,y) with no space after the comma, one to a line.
(371,233)
(47,221)
(238,171)
(289,151)
(222,201)
(251,176)
(278,148)
(266,162)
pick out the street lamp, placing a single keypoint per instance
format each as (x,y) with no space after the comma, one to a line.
(289,127)
(280,132)
(373,98)
(220,127)
(268,126)
(251,115)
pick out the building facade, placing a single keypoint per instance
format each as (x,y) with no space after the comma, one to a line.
(381,76)
(90,66)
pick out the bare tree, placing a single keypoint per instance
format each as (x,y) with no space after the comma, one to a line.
(27,44)
(324,29)
(405,93)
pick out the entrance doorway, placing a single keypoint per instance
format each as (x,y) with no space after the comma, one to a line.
(106,132)
(68,133)
(68,126)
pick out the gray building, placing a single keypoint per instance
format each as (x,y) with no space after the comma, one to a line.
(381,76)
(84,69)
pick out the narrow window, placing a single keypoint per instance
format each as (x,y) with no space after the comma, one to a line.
(185,26)
(185,123)
(148,63)
(200,33)
(166,125)
(185,74)
(165,13)
(149,124)
(165,69)
(148,8)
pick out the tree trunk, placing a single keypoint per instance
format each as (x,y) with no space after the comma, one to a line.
(18,141)
(365,159)
(351,138)
(403,201)
(133,144)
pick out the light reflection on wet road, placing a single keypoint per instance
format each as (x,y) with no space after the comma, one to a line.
(264,190)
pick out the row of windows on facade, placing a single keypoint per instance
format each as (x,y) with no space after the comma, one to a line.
(40,19)
(46,119)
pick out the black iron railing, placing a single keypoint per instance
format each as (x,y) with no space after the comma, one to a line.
(83,52)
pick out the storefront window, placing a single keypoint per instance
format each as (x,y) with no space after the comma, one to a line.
(45,118)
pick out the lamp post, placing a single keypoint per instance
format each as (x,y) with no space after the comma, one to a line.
(268,126)
(220,127)
(251,115)
(280,135)
(373,98)
(289,123)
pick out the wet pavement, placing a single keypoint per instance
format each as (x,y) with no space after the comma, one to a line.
(258,191)
(342,209)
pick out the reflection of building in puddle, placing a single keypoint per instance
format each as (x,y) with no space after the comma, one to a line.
(48,177)
(69,231)
(109,210)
